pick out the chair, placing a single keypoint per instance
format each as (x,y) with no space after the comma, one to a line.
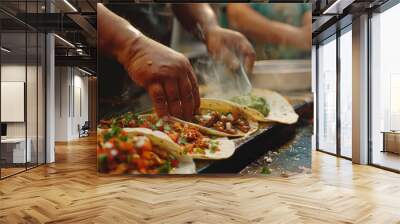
(84,130)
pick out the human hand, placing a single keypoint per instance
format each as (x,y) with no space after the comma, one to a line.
(229,47)
(303,37)
(166,74)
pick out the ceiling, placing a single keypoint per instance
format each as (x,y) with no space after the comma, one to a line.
(331,15)
(72,20)
(75,21)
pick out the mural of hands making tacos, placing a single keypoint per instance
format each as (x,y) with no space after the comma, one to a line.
(161,111)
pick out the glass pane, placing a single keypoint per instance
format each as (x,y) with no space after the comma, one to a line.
(385,89)
(31,98)
(346,94)
(41,99)
(327,97)
(13,86)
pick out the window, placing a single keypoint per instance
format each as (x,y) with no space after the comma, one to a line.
(327,96)
(346,92)
(385,89)
(22,77)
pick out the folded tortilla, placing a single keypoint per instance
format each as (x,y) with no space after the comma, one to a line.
(281,110)
(186,163)
(226,148)
(224,106)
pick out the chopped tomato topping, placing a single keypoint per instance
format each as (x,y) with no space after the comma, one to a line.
(174,136)
(174,163)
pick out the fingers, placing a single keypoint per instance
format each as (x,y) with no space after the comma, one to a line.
(173,98)
(249,59)
(186,94)
(249,56)
(159,99)
(195,90)
(179,98)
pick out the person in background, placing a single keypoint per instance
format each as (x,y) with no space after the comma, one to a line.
(277,30)
(167,75)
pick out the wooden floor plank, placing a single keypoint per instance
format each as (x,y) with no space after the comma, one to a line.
(71,191)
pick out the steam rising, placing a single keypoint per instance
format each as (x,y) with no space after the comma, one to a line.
(218,81)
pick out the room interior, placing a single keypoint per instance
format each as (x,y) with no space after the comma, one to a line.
(48,123)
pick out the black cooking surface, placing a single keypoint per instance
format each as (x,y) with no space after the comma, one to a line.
(269,137)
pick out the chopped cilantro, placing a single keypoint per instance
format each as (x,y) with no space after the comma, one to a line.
(141,120)
(159,123)
(107,136)
(165,168)
(182,140)
(113,132)
(167,127)
(114,123)
(265,170)
(124,138)
(128,116)
(153,127)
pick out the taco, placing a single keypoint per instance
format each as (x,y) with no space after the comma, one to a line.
(223,118)
(140,151)
(254,102)
(194,143)
(278,109)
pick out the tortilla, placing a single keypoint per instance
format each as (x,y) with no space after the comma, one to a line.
(226,148)
(213,149)
(224,106)
(281,110)
(186,163)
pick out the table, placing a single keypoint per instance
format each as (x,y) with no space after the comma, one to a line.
(391,141)
(13,150)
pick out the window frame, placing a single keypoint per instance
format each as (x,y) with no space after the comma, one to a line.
(334,37)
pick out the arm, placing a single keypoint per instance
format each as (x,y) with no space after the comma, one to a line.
(198,18)
(167,75)
(223,44)
(307,17)
(240,15)
(109,24)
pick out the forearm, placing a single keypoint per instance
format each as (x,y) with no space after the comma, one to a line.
(117,36)
(197,18)
(307,17)
(248,21)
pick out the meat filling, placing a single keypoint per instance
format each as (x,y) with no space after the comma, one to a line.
(229,123)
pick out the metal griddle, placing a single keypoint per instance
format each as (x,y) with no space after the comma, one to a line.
(249,149)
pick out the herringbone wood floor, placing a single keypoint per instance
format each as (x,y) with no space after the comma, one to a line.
(70,191)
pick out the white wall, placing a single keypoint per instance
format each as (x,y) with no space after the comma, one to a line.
(15,72)
(33,127)
(62,81)
(70,83)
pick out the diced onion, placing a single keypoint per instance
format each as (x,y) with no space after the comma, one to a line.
(140,142)
(206,117)
(108,145)
(228,126)
(114,152)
